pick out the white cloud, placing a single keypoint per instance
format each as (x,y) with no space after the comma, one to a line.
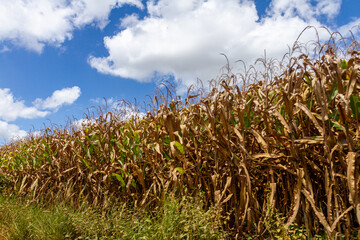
(353,26)
(11,108)
(129,21)
(185,38)
(88,11)
(5,49)
(34,23)
(65,96)
(329,8)
(11,131)
(304,8)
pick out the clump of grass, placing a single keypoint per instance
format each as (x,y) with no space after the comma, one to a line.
(175,219)
(19,220)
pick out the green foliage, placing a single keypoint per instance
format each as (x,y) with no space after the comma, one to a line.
(175,219)
(355,107)
(18,220)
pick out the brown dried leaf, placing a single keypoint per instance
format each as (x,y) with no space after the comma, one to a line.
(260,140)
(318,213)
(297,197)
(311,116)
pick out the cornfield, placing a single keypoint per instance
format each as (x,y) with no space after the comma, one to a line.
(288,145)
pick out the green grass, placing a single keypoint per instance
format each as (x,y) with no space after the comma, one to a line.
(175,219)
(19,220)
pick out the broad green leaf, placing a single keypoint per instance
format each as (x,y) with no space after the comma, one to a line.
(166,155)
(137,137)
(246,120)
(120,179)
(344,64)
(86,164)
(133,183)
(81,144)
(333,91)
(179,147)
(121,147)
(308,81)
(167,139)
(83,161)
(337,126)
(355,107)
(180,170)
(282,109)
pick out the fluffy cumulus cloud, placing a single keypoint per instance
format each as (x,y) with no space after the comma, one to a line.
(65,96)
(185,38)
(304,8)
(11,131)
(12,109)
(95,11)
(34,23)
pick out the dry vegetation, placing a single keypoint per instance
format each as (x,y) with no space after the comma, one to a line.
(283,149)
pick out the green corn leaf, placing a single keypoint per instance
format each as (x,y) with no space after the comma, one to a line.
(344,64)
(166,155)
(137,137)
(167,139)
(337,126)
(120,179)
(86,164)
(334,91)
(179,147)
(81,144)
(246,120)
(121,147)
(355,107)
(133,183)
(83,161)
(308,81)
(180,170)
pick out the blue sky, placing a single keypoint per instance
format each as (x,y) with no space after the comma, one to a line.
(60,57)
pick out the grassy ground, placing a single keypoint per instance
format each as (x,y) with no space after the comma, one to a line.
(176,219)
